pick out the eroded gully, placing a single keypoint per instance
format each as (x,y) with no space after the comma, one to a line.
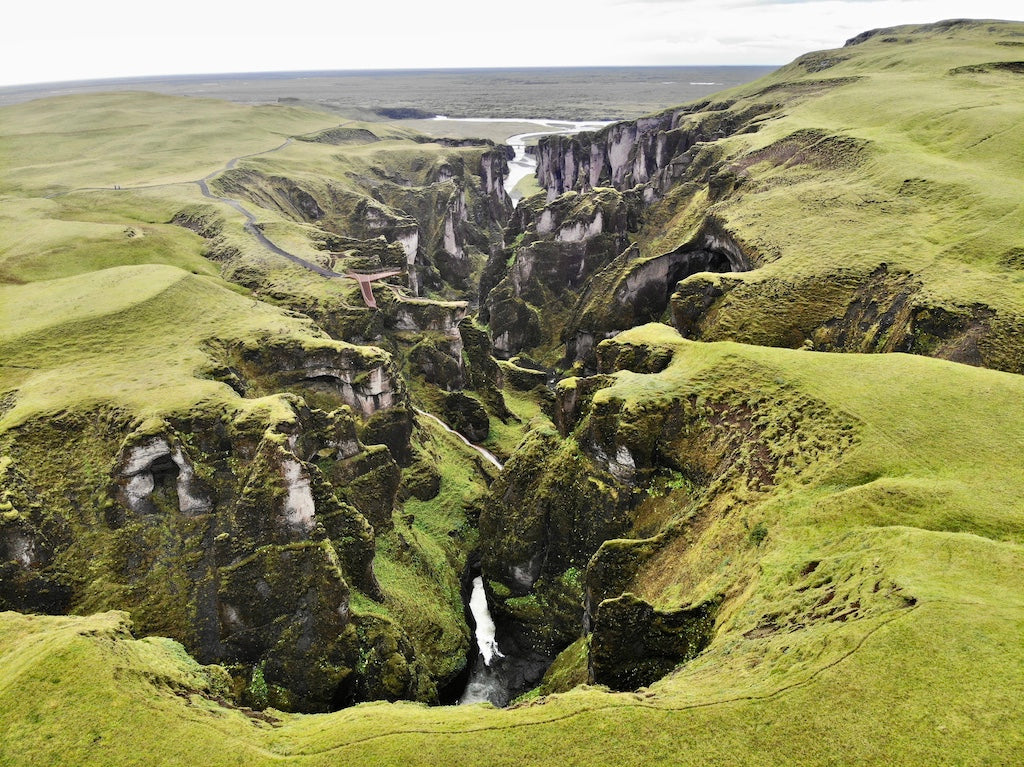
(491,671)
(484,683)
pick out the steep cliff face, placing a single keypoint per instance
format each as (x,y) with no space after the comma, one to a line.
(600,187)
(443,209)
(652,151)
(555,249)
(633,290)
(247,526)
(437,349)
(563,512)
(780,192)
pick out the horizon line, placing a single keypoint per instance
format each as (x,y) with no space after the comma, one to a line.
(284,73)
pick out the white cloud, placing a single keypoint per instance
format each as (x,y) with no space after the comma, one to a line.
(110,38)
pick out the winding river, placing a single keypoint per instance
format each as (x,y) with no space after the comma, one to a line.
(522,163)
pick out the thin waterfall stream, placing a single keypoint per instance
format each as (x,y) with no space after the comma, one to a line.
(485,683)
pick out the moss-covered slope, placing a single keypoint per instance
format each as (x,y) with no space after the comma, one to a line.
(865,601)
(177,440)
(863,199)
(732,553)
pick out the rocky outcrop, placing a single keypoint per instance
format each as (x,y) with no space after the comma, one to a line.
(467,416)
(362,377)
(654,151)
(29,543)
(151,467)
(493,172)
(881,310)
(560,548)
(556,249)
(437,352)
(634,645)
(434,209)
(243,535)
(633,290)
(548,511)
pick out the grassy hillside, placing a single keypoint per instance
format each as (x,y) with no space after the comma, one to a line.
(868,198)
(851,525)
(915,532)
(134,139)
(900,154)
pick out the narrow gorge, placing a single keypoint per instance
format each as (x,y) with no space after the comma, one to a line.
(687,438)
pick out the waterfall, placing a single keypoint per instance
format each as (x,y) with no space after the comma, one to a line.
(485,683)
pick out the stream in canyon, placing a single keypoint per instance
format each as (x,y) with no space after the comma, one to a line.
(493,675)
(522,163)
(486,682)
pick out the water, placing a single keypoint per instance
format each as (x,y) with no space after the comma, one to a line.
(486,683)
(487,454)
(485,631)
(522,165)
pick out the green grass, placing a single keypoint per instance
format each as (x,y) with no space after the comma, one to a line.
(115,337)
(504,437)
(527,187)
(934,189)
(85,232)
(918,522)
(134,139)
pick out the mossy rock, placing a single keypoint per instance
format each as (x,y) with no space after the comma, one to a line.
(466,415)
(634,645)
(524,379)
(370,482)
(393,428)
(302,634)
(420,480)
(432,358)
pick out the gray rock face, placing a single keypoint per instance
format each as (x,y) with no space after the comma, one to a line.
(364,378)
(155,462)
(633,290)
(562,244)
(493,172)
(299,507)
(621,155)
(439,354)
(654,151)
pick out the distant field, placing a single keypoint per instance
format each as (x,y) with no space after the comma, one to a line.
(592,93)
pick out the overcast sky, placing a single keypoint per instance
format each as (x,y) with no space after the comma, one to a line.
(45,41)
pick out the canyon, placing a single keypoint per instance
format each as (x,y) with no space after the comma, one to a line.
(311,429)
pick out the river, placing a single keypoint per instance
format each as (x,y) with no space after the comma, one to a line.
(489,679)
(523,164)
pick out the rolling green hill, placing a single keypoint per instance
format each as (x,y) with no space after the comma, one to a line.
(735,539)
